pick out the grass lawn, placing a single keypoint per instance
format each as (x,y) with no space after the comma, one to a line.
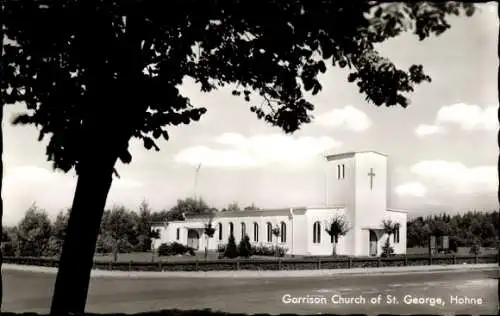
(461,251)
(147,256)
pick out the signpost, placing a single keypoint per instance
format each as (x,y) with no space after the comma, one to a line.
(432,245)
(446,244)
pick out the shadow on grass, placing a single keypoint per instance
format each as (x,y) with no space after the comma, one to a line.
(168,312)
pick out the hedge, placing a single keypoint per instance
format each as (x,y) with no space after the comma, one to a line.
(272,264)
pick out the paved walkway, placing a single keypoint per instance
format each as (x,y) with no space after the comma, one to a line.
(268,274)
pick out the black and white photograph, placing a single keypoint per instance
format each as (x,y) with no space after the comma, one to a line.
(242,157)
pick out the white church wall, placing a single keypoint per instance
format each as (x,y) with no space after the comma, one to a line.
(370,202)
(324,246)
(262,237)
(300,228)
(363,242)
(400,218)
(341,190)
(168,233)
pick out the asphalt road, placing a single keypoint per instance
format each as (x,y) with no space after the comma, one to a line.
(31,292)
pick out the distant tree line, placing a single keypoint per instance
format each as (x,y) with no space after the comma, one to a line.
(127,230)
(122,230)
(464,230)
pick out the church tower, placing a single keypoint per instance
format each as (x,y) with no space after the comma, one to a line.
(358,180)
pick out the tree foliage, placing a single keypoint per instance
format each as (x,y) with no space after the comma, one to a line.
(231,250)
(34,232)
(188,206)
(335,228)
(464,229)
(278,54)
(120,228)
(92,86)
(251,207)
(244,247)
(232,207)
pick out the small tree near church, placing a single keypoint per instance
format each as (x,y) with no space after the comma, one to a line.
(209,233)
(336,228)
(231,248)
(390,228)
(276,232)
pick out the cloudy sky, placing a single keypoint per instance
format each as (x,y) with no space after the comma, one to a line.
(442,149)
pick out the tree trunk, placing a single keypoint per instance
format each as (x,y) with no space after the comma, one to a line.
(73,277)
(115,252)
(1,150)
(206,249)
(498,141)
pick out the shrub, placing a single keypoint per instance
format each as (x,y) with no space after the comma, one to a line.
(269,251)
(245,248)
(387,250)
(455,242)
(476,247)
(281,251)
(221,248)
(164,250)
(9,249)
(174,249)
(231,250)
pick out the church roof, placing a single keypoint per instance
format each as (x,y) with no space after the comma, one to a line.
(351,154)
(396,211)
(254,213)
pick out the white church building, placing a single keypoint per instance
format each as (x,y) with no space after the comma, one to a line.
(357,190)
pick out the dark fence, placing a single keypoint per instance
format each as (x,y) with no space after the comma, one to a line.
(271,264)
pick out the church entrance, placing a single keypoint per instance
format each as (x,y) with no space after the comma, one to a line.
(193,239)
(373,243)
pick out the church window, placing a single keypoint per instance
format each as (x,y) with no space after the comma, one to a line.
(283,232)
(317,233)
(269,232)
(220,231)
(343,171)
(243,230)
(396,236)
(231,229)
(255,232)
(178,233)
(338,172)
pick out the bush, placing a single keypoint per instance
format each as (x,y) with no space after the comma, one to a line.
(476,248)
(269,251)
(221,248)
(387,250)
(9,249)
(490,243)
(245,248)
(280,250)
(231,250)
(174,249)
(456,242)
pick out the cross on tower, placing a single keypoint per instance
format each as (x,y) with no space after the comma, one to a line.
(371,174)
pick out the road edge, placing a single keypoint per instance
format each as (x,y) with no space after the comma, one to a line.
(266,274)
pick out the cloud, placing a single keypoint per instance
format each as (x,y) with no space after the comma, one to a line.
(259,150)
(125,183)
(426,130)
(415,189)
(348,118)
(457,175)
(31,175)
(467,117)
